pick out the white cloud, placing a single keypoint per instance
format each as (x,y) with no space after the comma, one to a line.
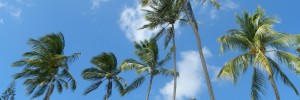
(132,18)
(190,81)
(206,52)
(96,3)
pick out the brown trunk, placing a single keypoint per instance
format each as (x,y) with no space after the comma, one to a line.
(47,96)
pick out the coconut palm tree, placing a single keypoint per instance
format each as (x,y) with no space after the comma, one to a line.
(148,52)
(257,39)
(105,70)
(9,93)
(165,13)
(186,7)
(46,66)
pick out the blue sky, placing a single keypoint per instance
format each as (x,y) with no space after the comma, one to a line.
(95,26)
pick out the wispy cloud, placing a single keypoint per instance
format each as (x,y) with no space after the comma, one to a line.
(96,3)
(226,5)
(14,8)
(229,4)
(16,13)
(190,81)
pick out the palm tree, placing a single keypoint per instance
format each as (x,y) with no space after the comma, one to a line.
(165,12)
(148,52)
(105,70)
(186,6)
(9,93)
(46,66)
(256,39)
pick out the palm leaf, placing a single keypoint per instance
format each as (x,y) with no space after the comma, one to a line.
(92,87)
(283,77)
(258,84)
(135,84)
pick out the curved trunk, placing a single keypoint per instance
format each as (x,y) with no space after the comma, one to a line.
(47,96)
(211,93)
(271,79)
(149,88)
(174,63)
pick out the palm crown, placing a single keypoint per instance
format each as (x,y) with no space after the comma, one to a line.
(256,38)
(148,53)
(46,66)
(105,70)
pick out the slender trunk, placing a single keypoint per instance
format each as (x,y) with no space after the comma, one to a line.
(107,91)
(271,79)
(174,63)
(149,88)
(47,96)
(211,93)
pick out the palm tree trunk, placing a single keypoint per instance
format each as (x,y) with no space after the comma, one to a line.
(211,93)
(174,63)
(149,88)
(47,96)
(107,91)
(274,87)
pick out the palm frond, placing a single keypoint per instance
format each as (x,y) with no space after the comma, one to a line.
(235,40)
(190,14)
(167,72)
(92,87)
(9,93)
(291,60)
(258,85)
(119,86)
(262,61)
(283,77)
(235,66)
(130,64)
(215,3)
(135,84)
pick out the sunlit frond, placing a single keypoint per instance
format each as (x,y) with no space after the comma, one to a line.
(235,66)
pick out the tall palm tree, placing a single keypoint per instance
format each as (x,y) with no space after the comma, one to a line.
(105,70)
(46,66)
(148,53)
(9,93)
(256,38)
(186,6)
(165,13)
